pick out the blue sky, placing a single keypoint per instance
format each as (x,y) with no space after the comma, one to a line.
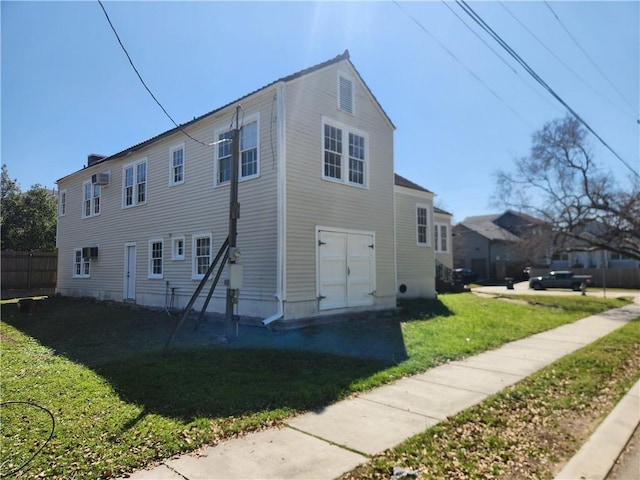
(68,90)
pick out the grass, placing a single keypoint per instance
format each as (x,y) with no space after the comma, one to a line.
(528,430)
(120,402)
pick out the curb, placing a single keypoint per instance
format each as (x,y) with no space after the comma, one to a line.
(598,455)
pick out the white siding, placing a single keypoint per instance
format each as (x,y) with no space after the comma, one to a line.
(415,263)
(192,207)
(312,201)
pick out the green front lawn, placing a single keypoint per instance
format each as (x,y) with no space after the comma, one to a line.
(120,402)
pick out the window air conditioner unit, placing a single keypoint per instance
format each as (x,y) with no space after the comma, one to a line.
(100,179)
(90,252)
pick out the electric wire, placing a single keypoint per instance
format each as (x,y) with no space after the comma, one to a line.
(469,11)
(587,55)
(144,83)
(446,4)
(471,72)
(573,72)
(53,428)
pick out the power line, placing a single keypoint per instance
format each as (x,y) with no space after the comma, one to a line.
(446,4)
(143,82)
(471,72)
(586,54)
(476,18)
(553,54)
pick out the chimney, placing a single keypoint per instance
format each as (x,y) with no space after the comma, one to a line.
(94,158)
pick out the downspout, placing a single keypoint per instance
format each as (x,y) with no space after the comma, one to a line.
(281,206)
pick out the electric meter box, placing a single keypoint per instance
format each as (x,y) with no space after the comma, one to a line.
(235,276)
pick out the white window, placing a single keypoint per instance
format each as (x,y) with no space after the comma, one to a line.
(344,163)
(249,165)
(91,199)
(176,164)
(134,186)
(177,248)
(345,94)
(81,265)
(441,237)
(422,225)
(156,247)
(62,203)
(202,244)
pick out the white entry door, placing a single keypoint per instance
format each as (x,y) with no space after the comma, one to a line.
(130,272)
(345,269)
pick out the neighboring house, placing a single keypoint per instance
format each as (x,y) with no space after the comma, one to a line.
(486,243)
(423,241)
(316,230)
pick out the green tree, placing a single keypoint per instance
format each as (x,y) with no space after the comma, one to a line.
(29,218)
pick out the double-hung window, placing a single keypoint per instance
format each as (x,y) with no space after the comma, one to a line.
(249,165)
(62,203)
(441,237)
(156,248)
(81,265)
(422,225)
(91,199)
(134,186)
(176,164)
(202,245)
(344,154)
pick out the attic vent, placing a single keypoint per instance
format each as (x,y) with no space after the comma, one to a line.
(100,179)
(345,94)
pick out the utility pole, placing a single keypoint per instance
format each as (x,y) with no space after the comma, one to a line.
(235,273)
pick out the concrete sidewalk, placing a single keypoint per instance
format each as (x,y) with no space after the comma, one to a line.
(326,443)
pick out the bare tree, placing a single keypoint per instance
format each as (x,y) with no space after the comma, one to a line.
(561,184)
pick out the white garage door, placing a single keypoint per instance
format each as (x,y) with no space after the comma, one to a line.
(345,269)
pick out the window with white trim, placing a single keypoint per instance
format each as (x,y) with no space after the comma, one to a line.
(62,203)
(134,185)
(156,249)
(422,225)
(91,199)
(176,164)
(248,163)
(202,245)
(81,265)
(347,165)
(345,94)
(177,248)
(441,237)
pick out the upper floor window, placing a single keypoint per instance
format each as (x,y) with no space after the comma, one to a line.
(345,94)
(441,237)
(62,203)
(422,224)
(156,248)
(134,186)
(348,165)
(249,165)
(91,199)
(176,165)
(81,265)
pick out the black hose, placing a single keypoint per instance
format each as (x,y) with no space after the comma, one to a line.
(53,427)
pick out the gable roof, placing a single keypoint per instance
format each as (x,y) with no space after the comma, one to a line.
(443,212)
(403,182)
(288,78)
(488,226)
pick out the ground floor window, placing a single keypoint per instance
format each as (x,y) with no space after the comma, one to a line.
(81,265)
(156,248)
(202,244)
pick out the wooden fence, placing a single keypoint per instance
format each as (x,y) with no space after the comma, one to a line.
(613,277)
(26,270)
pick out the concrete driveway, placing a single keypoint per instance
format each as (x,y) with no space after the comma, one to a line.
(522,288)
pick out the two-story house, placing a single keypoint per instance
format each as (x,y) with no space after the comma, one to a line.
(316,230)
